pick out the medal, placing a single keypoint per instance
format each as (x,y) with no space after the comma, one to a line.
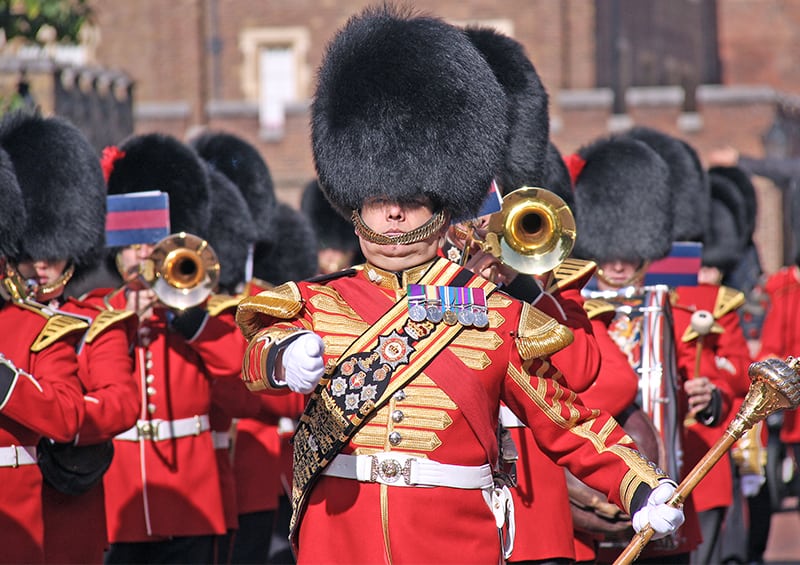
(448,295)
(433,306)
(466,317)
(479,309)
(416,303)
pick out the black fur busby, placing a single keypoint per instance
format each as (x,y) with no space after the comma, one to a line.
(726,237)
(738,178)
(161,162)
(12,208)
(333,231)
(59,174)
(292,256)
(623,202)
(232,233)
(405,106)
(688,180)
(555,176)
(526,113)
(242,163)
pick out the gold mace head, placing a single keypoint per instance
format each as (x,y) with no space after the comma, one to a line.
(775,385)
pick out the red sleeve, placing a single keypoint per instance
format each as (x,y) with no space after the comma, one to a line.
(221,346)
(616,384)
(579,362)
(112,397)
(49,400)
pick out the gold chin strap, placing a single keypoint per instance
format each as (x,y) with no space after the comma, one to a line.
(637,275)
(421,233)
(45,291)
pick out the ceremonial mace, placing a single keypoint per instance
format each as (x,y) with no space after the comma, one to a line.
(774,385)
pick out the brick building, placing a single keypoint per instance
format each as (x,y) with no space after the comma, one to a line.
(713,72)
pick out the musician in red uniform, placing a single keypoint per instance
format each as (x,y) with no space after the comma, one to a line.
(411,395)
(60,177)
(163,489)
(623,209)
(40,394)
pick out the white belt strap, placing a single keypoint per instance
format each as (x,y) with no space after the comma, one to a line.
(501,503)
(398,469)
(158,430)
(16,455)
(222,440)
(509,419)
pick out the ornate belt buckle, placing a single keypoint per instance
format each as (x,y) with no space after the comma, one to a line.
(147,429)
(389,470)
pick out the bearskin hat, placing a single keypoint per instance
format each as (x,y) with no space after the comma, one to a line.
(623,202)
(741,180)
(726,236)
(333,231)
(59,174)
(12,208)
(406,107)
(232,233)
(292,256)
(526,112)
(242,163)
(161,162)
(688,180)
(555,177)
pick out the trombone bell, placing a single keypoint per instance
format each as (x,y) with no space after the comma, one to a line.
(536,228)
(182,270)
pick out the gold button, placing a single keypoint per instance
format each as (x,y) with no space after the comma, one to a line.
(395,438)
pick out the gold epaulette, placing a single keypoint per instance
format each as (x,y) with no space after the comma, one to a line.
(728,300)
(219,303)
(538,334)
(572,272)
(57,326)
(595,307)
(105,320)
(282,302)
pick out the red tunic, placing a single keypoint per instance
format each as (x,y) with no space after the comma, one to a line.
(724,360)
(47,403)
(171,487)
(348,521)
(780,334)
(112,405)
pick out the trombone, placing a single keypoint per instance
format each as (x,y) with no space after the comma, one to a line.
(182,270)
(533,232)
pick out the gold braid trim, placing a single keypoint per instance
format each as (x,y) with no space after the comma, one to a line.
(283,302)
(539,335)
(57,326)
(104,320)
(421,233)
(595,307)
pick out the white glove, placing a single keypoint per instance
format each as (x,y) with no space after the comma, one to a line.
(302,363)
(662,518)
(750,485)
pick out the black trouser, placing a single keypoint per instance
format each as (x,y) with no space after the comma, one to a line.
(179,550)
(252,542)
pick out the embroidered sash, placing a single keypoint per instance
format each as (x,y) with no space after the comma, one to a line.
(377,364)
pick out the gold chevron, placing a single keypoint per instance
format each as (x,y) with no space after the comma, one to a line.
(569,271)
(57,326)
(105,320)
(595,307)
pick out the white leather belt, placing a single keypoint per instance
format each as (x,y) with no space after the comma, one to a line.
(158,430)
(16,455)
(402,470)
(222,440)
(509,419)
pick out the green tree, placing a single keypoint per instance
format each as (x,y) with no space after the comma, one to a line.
(25,18)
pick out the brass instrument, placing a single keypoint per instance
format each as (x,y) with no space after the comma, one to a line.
(183,270)
(774,386)
(532,233)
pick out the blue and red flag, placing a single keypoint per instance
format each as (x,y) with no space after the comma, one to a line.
(679,268)
(137,217)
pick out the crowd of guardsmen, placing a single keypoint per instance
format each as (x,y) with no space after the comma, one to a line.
(128,436)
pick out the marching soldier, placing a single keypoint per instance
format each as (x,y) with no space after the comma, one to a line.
(408,128)
(59,173)
(163,488)
(39,387)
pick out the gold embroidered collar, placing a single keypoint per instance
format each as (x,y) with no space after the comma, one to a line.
(395,280)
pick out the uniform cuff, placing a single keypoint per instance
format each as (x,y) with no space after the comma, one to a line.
(189,322)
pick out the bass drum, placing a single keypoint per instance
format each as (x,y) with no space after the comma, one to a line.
(591,511)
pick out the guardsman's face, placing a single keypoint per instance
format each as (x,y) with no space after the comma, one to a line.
(393,219)
(618,273)
(43,271)
(130,258)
